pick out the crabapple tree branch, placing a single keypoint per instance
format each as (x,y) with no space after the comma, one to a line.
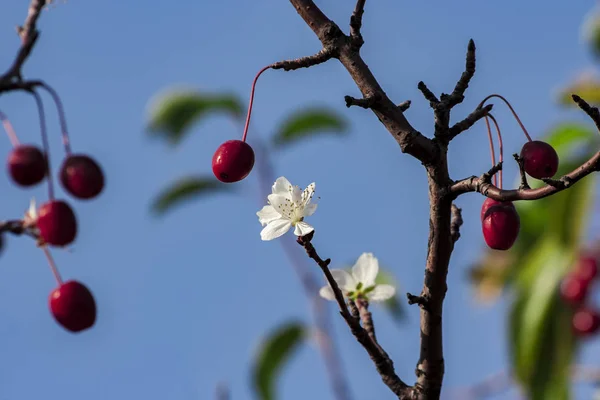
(331,36)
(456,223)
(382,361)
(12,79)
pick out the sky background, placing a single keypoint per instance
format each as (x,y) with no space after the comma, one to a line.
(184,300)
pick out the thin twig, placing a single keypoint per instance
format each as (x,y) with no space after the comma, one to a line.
(325,54)
(457,95)
(356,24)
(368,102)
(469,121)
(428,94)
(12,79)
(366,318)
(405,105)
(523,175)
(383,363)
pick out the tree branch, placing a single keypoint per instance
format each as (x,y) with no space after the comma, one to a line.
(356,24)
(12,79)
(523,175)
(325,54)
(410,140)
(383,363)
(366,318)
(469,121)
(456,223)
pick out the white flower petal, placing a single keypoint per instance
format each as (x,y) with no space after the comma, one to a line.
(274,229)
(382,293)
(365,270)
(281,186)
(267,214)
(296,195)
(282,205)
(326,292)
(344,280)
(309,210)
(308,194)
(302,228)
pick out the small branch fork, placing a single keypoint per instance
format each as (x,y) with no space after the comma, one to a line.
(365,335)
(444,217)
(12,79)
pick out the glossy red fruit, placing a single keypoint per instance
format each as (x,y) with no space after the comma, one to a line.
(491,202)
(500,226)
(539,159)
(233,161)
(57,223)
(27,165)
(587,269)
(586,322)
(73,306)
(573,289)
(81,176)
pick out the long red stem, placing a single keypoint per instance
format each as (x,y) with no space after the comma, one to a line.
(511,109)
(499,134)
(53,268)
(12,135)
(251,101)
(40,106)
(61,116)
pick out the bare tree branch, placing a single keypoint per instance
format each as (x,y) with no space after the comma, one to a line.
(469,121)
(356,24)
(383,363)
(12,79)
(410,140)
(322,56)
(457,95)
(428,94)
(370,102)
(523,175)
(405,105)
(366,318)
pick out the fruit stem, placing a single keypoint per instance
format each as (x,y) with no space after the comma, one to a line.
(52,264)
(61,117)
(251,101)
(12,135)
(499,134)
(511,109)
(40,105)
(492,151)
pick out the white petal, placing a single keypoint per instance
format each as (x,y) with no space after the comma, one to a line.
(326,292)
(267,214)
(274,229)
(296,195)
(366,268)
(344,280)
(309,210)
(282,205)
(382,293)
(281,186)
(308,194)
(302,228)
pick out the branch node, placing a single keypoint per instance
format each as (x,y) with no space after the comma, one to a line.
(428,94)
(355,24)
(422,301)
(325,54)
(524,185)
(405,105)
(456,222)
(487,176)
(371,102)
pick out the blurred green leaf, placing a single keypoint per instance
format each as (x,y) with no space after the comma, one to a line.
(533,325)
(591,31)
(172,114)
(309,122)
(586,87)
(185,189)
(274,352)
(393,305)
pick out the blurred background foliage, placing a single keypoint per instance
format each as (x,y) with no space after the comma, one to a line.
(554,231)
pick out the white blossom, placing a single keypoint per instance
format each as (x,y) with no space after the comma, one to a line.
(287,206)
(30,218)
(360,282)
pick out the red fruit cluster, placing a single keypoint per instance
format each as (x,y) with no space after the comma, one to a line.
(500,224)
(575,289)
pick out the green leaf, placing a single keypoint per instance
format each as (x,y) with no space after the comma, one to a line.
(591,31)
(186,189)
(541,347)
(309,122)
(173,113)
(273,353)
(586,87)
(393,305)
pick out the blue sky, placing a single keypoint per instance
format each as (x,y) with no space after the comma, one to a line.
(184,300)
